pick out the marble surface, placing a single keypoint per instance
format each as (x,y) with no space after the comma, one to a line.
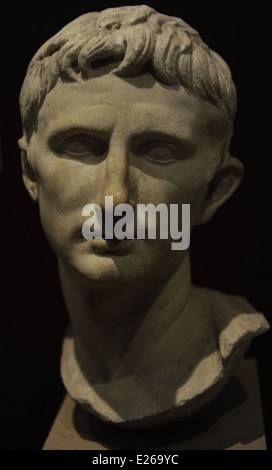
(233,421)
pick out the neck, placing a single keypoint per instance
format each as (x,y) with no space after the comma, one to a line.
(125,321)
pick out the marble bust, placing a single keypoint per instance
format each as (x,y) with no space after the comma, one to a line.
(132,104)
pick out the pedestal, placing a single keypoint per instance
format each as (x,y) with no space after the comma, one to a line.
(233,421)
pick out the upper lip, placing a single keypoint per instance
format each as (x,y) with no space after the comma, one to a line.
(115,239)
(111,241)
(110,246)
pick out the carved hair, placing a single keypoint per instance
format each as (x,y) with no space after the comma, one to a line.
(138,38)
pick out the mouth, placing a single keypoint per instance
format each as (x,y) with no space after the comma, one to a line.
(112,246)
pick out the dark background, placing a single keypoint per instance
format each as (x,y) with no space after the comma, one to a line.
(231,253)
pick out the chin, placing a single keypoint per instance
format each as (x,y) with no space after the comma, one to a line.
(105,270)
(113,268)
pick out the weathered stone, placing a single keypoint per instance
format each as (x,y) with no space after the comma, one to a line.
(132,104)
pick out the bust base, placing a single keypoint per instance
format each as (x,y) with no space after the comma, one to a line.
(232,421)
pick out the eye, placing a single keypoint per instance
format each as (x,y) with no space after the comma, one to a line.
(80,146)
(159,152)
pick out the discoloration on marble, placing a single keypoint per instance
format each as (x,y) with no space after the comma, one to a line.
(132,104)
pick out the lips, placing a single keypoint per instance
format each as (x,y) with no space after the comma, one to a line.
(111,241)
(110,246)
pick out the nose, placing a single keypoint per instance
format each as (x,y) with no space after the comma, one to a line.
(116,180)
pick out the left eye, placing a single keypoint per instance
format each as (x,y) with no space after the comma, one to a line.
(159,152)
(81,146)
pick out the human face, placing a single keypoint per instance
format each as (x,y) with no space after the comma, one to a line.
(134,139)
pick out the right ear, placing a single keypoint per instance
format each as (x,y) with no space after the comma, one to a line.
(28,174)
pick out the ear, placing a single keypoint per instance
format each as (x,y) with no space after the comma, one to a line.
(225,181)
(28,174)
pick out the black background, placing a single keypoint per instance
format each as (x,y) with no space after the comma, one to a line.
(231,253)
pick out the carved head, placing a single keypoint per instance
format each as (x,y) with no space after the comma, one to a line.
(131,103)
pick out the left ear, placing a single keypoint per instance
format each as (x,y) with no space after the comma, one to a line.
(225,181)
(28,174)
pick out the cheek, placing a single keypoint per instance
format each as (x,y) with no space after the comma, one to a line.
(182,183)
(65,186)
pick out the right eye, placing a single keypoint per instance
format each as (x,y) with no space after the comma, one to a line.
(81,146)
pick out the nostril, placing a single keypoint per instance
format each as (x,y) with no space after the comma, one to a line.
(117,217)
(110,236)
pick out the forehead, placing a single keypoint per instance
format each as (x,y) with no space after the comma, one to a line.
(141,102)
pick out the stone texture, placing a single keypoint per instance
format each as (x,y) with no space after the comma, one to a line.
(132,104)
(171,375)
(233,421)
